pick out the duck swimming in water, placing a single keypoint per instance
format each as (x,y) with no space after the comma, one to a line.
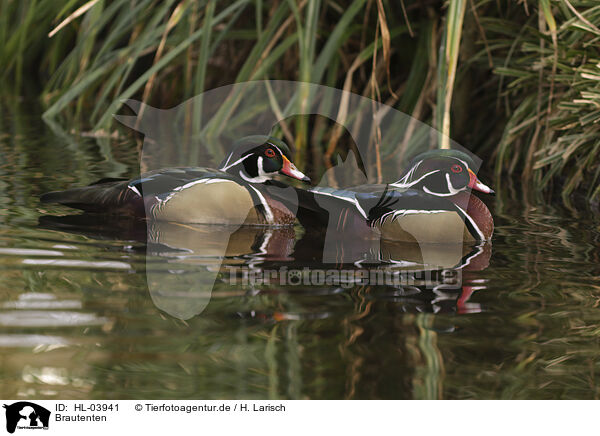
(232,194)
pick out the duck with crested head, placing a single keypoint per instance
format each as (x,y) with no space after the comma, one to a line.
(431,202)
(231,194)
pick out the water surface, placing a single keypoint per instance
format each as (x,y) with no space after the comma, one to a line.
(77,320)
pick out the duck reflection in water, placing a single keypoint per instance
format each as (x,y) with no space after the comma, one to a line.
(186,263)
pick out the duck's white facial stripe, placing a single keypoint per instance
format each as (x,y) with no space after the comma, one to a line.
(227,161)
(462,162)
(293,169)
(278,149)
(403,182)
(262,177)
(261,169)
(258,179)
(451,189)
(225,167)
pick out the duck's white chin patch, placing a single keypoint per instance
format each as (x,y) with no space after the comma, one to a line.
(451,189)
(257,179)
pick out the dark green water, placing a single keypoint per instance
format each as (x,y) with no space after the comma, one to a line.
(77,320)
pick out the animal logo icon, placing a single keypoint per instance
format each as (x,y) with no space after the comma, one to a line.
(26,415)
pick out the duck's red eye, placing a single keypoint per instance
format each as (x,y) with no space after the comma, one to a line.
(269,152)
(456,168)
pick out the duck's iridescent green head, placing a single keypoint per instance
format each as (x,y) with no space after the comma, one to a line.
(442,173)
(259,158)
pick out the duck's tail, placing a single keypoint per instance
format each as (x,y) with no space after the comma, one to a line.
(104,196)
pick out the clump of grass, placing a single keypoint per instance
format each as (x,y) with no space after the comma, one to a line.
(144,49)
(166,52)
(530,71)
(548,62)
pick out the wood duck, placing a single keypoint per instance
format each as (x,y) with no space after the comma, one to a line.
(232,194)
(430,203)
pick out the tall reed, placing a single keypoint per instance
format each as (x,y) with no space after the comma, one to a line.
(516,82)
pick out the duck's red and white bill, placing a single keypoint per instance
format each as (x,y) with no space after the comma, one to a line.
(475,183)
(289,169)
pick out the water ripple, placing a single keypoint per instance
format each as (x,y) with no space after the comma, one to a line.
(12,341)
(30,252)
(78,263)
(40,318)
